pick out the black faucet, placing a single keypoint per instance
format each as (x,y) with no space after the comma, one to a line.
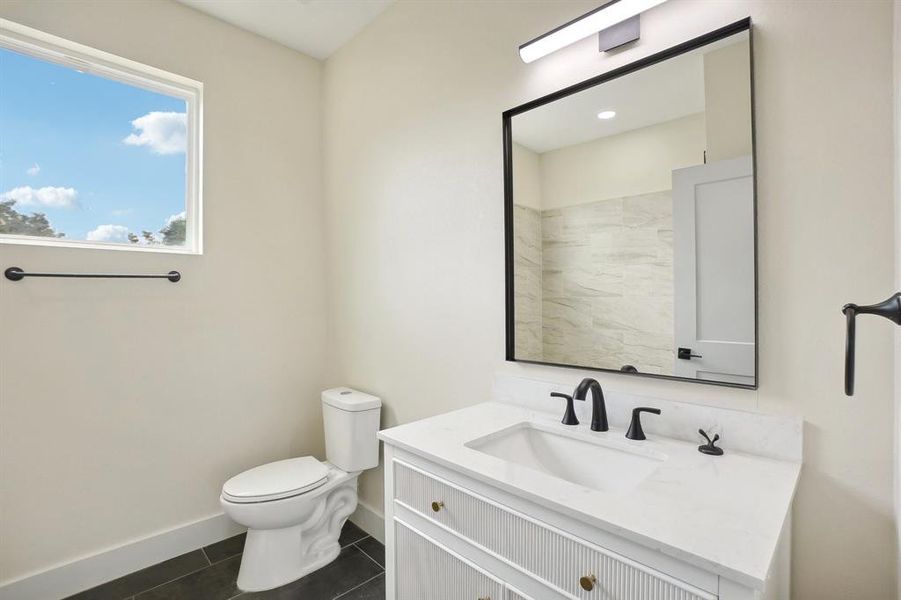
(635,431)
(598,406)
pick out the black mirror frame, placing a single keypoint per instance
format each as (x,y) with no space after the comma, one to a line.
(693,44)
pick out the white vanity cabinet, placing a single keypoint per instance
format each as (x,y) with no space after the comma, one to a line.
(450,537)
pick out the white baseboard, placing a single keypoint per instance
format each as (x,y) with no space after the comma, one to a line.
(369,520)
(84,573)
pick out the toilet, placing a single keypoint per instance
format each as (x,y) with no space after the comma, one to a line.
(294,509)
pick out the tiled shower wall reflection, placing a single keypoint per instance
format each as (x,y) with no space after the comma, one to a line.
(605,287)
(527,282)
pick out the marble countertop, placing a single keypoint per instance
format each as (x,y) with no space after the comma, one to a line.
(723,514)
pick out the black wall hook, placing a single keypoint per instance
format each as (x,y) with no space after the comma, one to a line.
(710,447)
(889,308)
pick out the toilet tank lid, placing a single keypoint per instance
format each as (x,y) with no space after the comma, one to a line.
(350,400)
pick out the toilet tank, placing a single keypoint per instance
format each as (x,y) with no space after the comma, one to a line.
(351,422)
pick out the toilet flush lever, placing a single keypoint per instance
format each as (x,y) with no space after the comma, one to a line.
(889,308)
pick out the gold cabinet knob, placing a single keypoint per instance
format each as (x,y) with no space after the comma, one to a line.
(436,506)
(588,582)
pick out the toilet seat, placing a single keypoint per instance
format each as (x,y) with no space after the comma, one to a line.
(276,480)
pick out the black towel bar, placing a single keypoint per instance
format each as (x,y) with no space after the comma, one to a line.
(17,274)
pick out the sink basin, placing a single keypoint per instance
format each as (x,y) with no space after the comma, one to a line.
(577,457)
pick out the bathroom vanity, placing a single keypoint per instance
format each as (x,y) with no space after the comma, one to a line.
(501,501)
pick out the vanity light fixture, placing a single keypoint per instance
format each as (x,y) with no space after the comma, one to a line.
(606,114)
(624,13)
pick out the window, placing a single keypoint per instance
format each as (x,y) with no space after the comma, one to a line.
(95,150)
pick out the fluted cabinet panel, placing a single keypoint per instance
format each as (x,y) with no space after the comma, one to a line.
(544,552)
(427,571)
(514,595)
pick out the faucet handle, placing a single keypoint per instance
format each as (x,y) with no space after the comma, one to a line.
(569,417)
(635,431)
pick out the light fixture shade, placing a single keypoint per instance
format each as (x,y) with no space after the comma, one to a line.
(588,24)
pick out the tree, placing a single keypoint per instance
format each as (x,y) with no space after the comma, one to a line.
(174,232)
(14,222)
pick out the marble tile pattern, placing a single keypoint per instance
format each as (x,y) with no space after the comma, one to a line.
(607,283)
(527,283)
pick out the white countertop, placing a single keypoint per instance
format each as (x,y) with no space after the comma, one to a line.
(723,514)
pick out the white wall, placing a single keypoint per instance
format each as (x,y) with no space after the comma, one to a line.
(526,177)
(124,405)
(413,176)
(636,162)
(727,72)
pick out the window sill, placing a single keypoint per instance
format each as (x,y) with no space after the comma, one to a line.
(58,243)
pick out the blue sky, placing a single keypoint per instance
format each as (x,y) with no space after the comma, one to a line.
(69,148)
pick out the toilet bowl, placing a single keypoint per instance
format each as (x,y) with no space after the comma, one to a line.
(294,509)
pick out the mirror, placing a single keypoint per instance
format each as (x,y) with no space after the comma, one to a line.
(631,218)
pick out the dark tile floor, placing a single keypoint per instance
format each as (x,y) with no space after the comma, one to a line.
(209,573)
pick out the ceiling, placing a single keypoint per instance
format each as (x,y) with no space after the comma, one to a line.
(656,94)
(315,27)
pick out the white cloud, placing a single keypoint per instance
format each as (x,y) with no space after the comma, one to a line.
(49,197)
(162,132)
(108,233)
(179,217)
(33,169)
